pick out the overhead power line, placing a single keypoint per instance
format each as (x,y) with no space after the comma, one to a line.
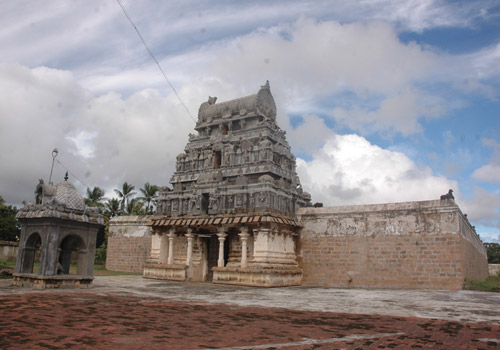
(72,175)
(156,61)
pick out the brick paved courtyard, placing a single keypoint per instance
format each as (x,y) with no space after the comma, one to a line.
(106,319)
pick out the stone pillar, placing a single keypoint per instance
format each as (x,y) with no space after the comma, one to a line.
(171,235)
(154,255)
(189,255)
(163,249)
(222,237)
(244,243)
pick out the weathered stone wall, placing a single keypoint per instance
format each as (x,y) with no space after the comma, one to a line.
(129,243)
(8,250)
(399,245)
(494,269)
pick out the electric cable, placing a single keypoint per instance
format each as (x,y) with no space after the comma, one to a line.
(156,61)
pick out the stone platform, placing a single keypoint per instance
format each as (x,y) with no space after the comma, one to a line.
(48,282)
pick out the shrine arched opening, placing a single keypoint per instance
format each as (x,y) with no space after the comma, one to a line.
(31,252)
(72,248)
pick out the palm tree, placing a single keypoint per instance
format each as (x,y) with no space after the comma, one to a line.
(134,207)
(112,208)
(94,197)
(125,194)
(150,192)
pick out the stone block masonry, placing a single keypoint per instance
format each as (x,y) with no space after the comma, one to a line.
(8,250)
(428,245)
(129,243)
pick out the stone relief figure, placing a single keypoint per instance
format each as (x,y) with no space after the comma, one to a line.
(263,197)
(214,203)
(237,202)
(194,205)
(208,161)
(251,200)
(175,205)
(39,192)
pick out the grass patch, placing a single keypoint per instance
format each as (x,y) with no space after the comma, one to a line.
(7,264)
(491,284)
(99,270)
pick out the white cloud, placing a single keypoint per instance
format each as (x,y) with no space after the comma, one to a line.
(310,135)
(103,140)
(483,208)
(490,172)
(373,81)
(350,170)
(419,15)
(486,62)
(487,173)
(396,114)
(322,58)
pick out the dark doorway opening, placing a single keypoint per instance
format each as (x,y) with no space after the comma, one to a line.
(212,255)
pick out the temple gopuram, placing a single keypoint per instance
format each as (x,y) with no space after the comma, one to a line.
(230,214)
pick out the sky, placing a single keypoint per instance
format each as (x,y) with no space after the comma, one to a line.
(382,100)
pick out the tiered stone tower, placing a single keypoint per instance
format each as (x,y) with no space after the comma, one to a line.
(240,162)
(237,180)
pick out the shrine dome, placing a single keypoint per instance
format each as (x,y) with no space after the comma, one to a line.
(68,195)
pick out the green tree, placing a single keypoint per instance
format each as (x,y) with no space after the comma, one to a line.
(493,251)
(149,194)
(9,226)
(112,208)
(94,197)
(125,194)
(134,207)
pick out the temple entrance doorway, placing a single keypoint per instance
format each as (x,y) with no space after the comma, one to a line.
(212,255)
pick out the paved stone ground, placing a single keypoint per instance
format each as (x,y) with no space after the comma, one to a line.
(129,312)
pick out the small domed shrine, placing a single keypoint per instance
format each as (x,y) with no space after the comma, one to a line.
(57,230)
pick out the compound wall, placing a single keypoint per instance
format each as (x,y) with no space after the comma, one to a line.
(129,243)
(426,244)
(8,250)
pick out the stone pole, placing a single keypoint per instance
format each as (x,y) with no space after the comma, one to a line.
(222,237)
(163,249)
(171,235)
(189,255)
(244,243)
